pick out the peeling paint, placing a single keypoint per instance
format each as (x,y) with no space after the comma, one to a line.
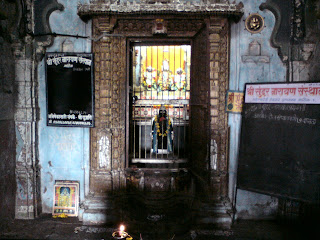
(19,144)
(51,176)
(21,193)
(63,151)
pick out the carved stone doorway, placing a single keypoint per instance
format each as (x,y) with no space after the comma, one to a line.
(206,174)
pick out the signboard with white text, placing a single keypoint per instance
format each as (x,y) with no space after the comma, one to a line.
(286,93)
(69,83)
(280,141)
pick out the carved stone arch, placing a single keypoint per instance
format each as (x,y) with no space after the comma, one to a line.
(42,29)
(289,29)
(274,8)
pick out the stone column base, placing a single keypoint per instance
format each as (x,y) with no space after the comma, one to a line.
(218,214)
(97,211)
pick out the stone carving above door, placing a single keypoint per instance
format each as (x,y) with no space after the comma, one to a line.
(254,54)
(100,7)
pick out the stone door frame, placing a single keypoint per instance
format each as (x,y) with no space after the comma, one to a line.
(108,138)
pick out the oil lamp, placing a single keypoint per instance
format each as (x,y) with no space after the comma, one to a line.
(120,234)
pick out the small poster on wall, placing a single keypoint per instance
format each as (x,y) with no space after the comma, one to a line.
(234,101)
(69,88)
(66,198)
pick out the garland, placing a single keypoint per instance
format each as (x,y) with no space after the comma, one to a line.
(158,127)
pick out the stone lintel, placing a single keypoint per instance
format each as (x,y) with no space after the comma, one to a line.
(86,11)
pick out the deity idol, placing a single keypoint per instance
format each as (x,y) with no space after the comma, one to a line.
(64,198)
(150,77)
(165,78)
(180,80)
(162,132)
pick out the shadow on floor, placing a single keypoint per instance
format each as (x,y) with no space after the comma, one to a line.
(46,227)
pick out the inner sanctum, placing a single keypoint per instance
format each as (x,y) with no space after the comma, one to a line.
(159,123)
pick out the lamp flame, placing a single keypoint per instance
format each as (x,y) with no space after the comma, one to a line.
(121,230)
(120,233)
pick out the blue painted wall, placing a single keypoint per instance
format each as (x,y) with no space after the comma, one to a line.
(243,69)
(63,151)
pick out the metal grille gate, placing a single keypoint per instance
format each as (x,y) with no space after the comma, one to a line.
(160,103)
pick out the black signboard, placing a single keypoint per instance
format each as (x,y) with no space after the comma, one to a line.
(280,141)
(69,85)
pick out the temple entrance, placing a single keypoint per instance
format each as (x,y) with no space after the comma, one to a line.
(159,103)
(161,76)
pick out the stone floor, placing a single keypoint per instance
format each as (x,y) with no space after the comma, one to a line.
(46,227)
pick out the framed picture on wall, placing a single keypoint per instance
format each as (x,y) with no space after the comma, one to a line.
(66,198)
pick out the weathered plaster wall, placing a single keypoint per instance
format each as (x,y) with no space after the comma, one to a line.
(245,67)
(306,52)
(63,151)
(7,133)
(14,105)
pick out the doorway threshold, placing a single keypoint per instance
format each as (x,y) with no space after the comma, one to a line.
(158,160)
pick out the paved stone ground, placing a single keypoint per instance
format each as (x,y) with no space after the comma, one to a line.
(46,227)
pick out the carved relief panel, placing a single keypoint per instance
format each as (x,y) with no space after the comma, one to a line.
(108,138)
(219,75)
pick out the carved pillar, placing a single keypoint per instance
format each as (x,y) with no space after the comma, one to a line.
(219,75)
(27,170)
(108,137)
(26,131)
